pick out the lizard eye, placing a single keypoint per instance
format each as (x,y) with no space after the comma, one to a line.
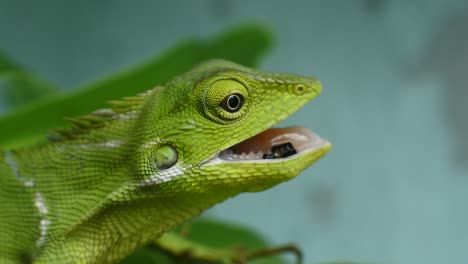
(232,103)
(224,101)
(166,156)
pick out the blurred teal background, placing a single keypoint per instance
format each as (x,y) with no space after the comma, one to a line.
(394,187)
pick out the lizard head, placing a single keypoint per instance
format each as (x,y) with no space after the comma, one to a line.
(211,131)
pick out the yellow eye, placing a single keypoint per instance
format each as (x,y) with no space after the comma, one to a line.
(232,103)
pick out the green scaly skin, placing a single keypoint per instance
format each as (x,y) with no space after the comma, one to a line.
(94,193)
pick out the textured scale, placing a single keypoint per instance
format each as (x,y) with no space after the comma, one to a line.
(93,193)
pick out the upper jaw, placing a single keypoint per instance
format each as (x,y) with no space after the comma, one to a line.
(271,145)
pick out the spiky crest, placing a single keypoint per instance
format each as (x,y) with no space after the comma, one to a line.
(84,124)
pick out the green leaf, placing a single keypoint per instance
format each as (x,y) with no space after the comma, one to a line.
(18,86)
(209,233)
(148,255)
(220,234)
(29,124)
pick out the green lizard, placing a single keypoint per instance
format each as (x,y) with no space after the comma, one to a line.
(123,176)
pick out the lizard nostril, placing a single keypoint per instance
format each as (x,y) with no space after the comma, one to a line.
(299,89)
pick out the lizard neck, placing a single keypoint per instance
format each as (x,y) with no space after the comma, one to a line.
(60,184)
(64,178)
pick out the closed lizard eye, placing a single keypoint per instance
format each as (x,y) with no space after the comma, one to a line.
(233,102)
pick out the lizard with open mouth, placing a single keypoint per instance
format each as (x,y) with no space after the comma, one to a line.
(123,176)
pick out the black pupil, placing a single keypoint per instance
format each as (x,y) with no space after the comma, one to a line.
(233,101)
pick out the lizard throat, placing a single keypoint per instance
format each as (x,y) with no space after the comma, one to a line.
(274,144)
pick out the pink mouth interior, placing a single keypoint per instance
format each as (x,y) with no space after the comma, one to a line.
(301,138)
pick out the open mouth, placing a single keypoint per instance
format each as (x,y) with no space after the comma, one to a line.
(273,144)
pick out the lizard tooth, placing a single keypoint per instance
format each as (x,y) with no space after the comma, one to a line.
(251,155)
(231,156)
(259,154)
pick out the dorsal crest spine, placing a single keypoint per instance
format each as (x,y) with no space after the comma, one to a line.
(99,118)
